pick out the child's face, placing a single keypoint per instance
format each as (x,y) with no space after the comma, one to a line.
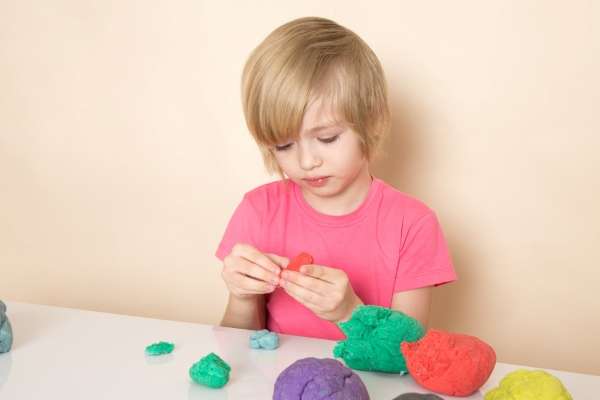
(326,160)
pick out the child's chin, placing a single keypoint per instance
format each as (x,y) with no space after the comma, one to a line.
(325,192)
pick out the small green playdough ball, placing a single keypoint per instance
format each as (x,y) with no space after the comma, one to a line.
(156,349)
(373,337)
(526,384)
(210,371)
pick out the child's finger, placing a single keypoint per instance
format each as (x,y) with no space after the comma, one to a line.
(313,284)
(256,271)
(251,286)
(304,296)
(251,254)
(320,272)
(281,261)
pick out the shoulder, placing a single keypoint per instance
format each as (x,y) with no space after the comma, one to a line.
(267,196)
(403,220)
(396,205)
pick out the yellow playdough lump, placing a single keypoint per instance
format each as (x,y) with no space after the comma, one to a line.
(529,385)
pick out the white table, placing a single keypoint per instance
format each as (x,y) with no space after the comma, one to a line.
(61,353)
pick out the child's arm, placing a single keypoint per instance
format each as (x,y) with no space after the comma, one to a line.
(245,313)
(249,275)
(414,303)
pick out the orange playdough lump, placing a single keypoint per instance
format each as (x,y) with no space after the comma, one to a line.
(300,260)
(449,363)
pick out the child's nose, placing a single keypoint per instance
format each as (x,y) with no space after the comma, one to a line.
(309,157)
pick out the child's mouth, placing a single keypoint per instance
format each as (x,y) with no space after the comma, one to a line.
(317,182)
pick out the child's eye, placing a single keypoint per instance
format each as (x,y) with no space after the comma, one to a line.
(329,139)
(283,147)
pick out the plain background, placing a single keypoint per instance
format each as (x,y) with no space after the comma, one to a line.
(123,152)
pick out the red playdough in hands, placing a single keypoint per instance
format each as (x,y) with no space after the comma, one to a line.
(449,363)
(300,260)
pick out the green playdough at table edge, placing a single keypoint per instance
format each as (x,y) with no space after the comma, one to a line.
(211,371)
(373,337)
(156,349)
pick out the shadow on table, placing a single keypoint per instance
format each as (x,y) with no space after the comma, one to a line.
(29,325)
(5,366)
(198,392)
(158,360)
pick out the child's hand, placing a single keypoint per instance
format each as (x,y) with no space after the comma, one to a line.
(247,272)
(325,291)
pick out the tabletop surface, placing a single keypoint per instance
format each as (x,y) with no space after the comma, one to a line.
(76,354)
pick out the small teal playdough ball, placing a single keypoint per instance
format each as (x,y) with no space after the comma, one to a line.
(264,339)
(6,334)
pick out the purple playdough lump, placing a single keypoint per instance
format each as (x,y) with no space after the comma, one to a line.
(319,379)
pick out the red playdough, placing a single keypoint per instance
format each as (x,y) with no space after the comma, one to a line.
(300,260)
(449,363)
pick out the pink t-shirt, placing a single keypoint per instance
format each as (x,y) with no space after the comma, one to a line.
(390,243)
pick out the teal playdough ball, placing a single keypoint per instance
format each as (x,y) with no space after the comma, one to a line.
(264,339)
(6,333)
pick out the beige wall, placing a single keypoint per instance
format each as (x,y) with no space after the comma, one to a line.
(123,152)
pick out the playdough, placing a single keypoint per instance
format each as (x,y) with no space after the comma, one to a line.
(319,379)
(417,396)
(264,339)
(526,384)
(156,349)
(6,334)
(210,371)
(449,363)
(373,337)
(300,260)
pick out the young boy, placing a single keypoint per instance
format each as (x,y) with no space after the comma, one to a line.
(315,101)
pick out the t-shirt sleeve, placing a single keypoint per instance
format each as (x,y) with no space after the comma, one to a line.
(243,227)
(424,257)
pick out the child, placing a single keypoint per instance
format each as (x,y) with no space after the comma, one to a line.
(315,101)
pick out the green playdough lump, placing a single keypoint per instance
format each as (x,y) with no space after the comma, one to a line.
(156,349)
(210,371)
(526,384)
(373,337)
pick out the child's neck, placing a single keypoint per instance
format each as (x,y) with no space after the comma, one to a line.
(347,201)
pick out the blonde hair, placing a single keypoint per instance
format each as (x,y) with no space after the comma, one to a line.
(311,58)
